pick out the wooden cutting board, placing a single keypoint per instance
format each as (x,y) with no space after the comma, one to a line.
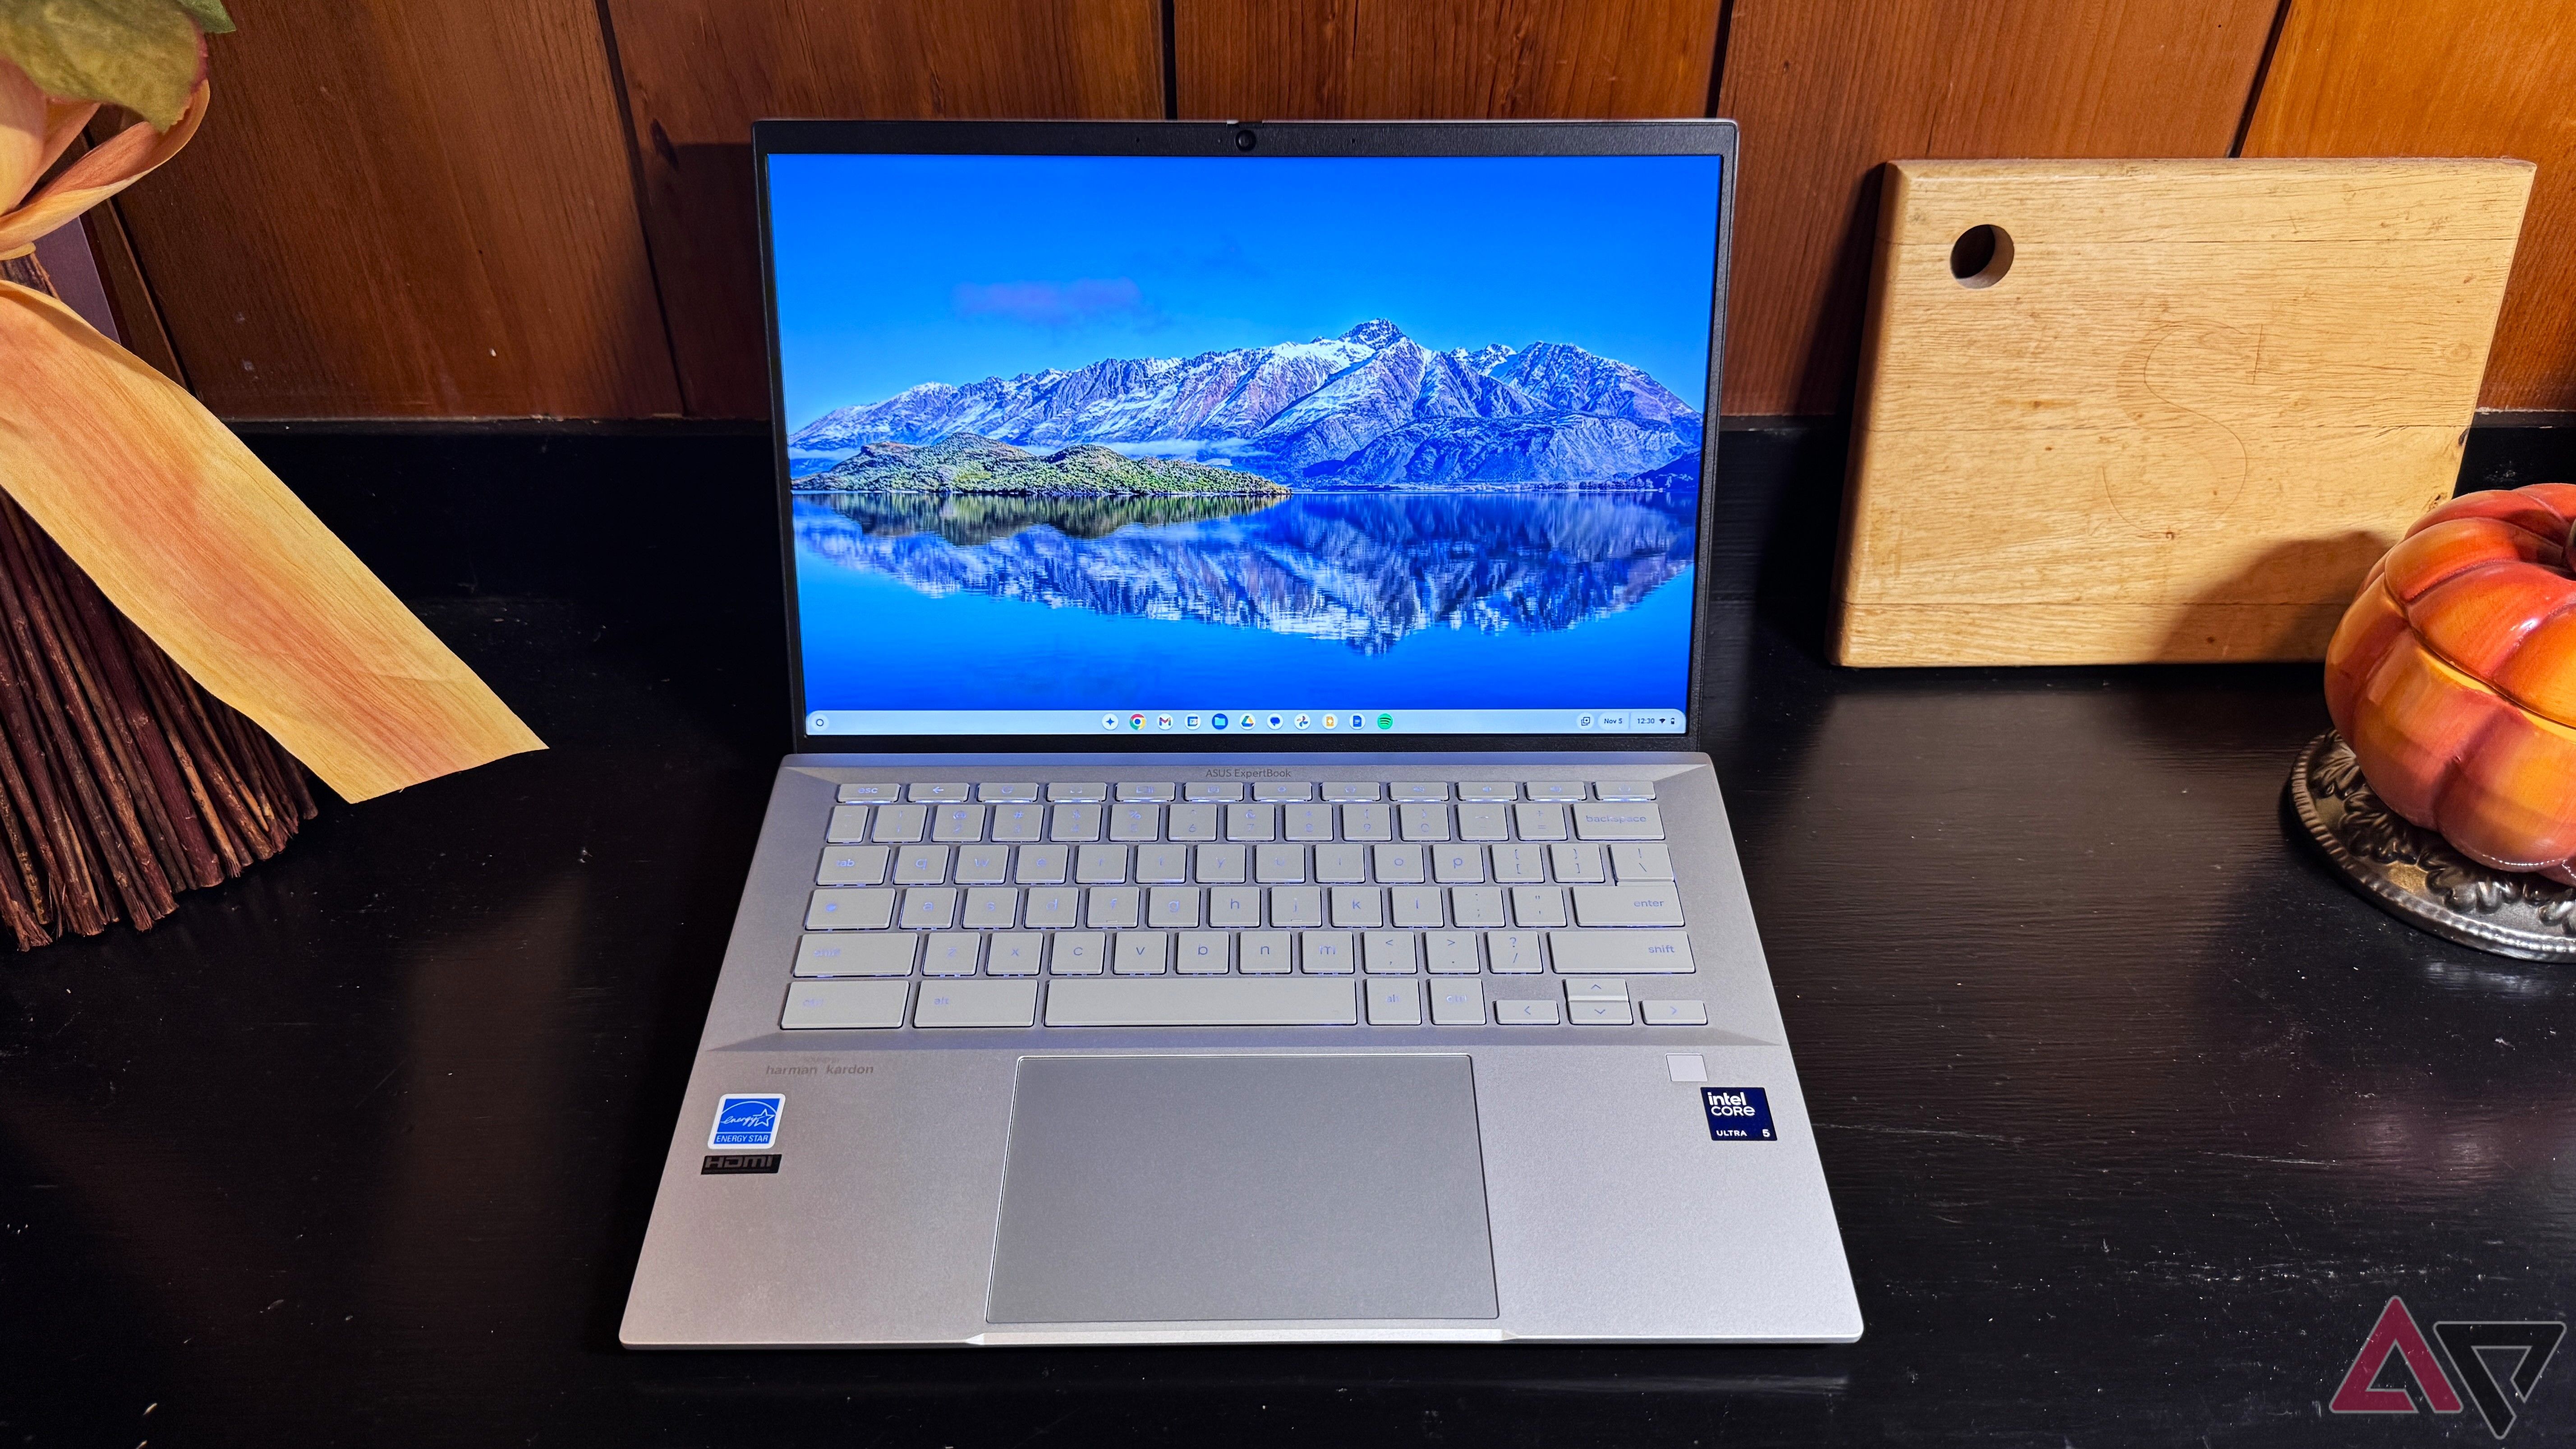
(2178,416)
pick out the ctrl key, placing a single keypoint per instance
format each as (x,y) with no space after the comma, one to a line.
(843,1005)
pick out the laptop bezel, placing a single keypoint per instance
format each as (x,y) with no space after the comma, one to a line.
(1691,137)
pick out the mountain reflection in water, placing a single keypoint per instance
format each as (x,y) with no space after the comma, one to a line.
(1366,569)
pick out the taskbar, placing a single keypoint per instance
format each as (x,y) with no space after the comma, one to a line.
(1227,722)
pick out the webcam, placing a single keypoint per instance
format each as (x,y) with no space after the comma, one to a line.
(1245,140)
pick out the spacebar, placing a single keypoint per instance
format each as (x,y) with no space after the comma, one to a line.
(1288,1001)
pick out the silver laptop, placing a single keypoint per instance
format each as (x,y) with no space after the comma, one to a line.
(1243,876)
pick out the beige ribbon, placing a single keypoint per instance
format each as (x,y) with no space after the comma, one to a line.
(35,130)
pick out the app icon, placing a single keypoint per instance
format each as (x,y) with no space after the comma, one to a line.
(819,724)
(1194,722)
(1330,721)
(1386,721)
(1304,720)
(1135,721)
(1583,721)
(1109,721)
(1162,721)
(1218,721)
(1274,721)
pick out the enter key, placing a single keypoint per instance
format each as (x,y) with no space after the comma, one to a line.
(1642,904)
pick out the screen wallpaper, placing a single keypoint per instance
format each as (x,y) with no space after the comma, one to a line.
(1198,445)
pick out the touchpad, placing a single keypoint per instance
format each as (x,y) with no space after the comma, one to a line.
(1174,1188)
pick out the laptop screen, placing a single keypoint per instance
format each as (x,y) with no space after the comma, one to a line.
(1208,446)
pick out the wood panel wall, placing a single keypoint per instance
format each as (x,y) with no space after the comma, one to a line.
(542,207)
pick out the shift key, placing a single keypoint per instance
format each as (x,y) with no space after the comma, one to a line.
(1646,903)
(1621,953)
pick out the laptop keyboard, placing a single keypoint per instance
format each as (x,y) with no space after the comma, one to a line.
(1139,903)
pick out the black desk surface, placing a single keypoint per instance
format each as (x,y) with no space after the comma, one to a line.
(2134,1116)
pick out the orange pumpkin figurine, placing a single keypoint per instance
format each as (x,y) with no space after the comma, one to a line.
(2453,677)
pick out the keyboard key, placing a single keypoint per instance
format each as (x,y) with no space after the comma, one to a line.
(1526,1013)
(1360,906)
(1394,1003)
(1012,953)
(1156,792)
(1234,906)
(1368,822)
(1423,822)
(1222,865)
(1600,1013)
(1074,822)
(1539,820)
(1325,953)
(1399,864)
(1265,953)
(1044,864)
(1556,789)
(983,864)
(1621,905)
(841,908)
(1012,794)
(1596,988)
(1419,790)
(1458,864)
(1488,790)
(873,792)
(1090,792)
(921,865)
(1308,821)
(843,1005)
(1457,1003)
(1541,906)
(849,825)
(1618,822)
(1417,907)
(1294,906)
(957,823)
(889,954)
(1279,864)
(1578,863)
(929,908)
(1053,908)
(1140,953)
(901,824)
(1282,790)
(950,953)
(1351,790)
(1201,953)
(1673,1013)
(1100,865)
(1624,790)
(1251,822)
(1077,953)
(1019,822)
(1519,864)
(1214,791)
(939,794)
(1513,953)
(1341,864)
(1162,864)
(1194,822)
(1135,822)
(1389,953)
(1172,907)
(1113,906)
(853,865)
(1484,822)
(1641,862)
(1620,953)
(1451,953)
(1477,905)
(1181,1001)
(992,909)
(977,1003)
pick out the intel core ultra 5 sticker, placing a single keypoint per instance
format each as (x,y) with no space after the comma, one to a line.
(1737,1114)
(744,1120)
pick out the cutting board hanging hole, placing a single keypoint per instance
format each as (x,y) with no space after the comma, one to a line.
(1981,256)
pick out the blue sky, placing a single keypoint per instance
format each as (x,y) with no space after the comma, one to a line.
(898,270)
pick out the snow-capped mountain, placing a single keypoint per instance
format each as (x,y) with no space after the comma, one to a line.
(1371,408)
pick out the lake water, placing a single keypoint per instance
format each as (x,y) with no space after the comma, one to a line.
(1502,600)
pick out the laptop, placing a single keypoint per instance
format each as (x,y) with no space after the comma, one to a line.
(1244,874)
